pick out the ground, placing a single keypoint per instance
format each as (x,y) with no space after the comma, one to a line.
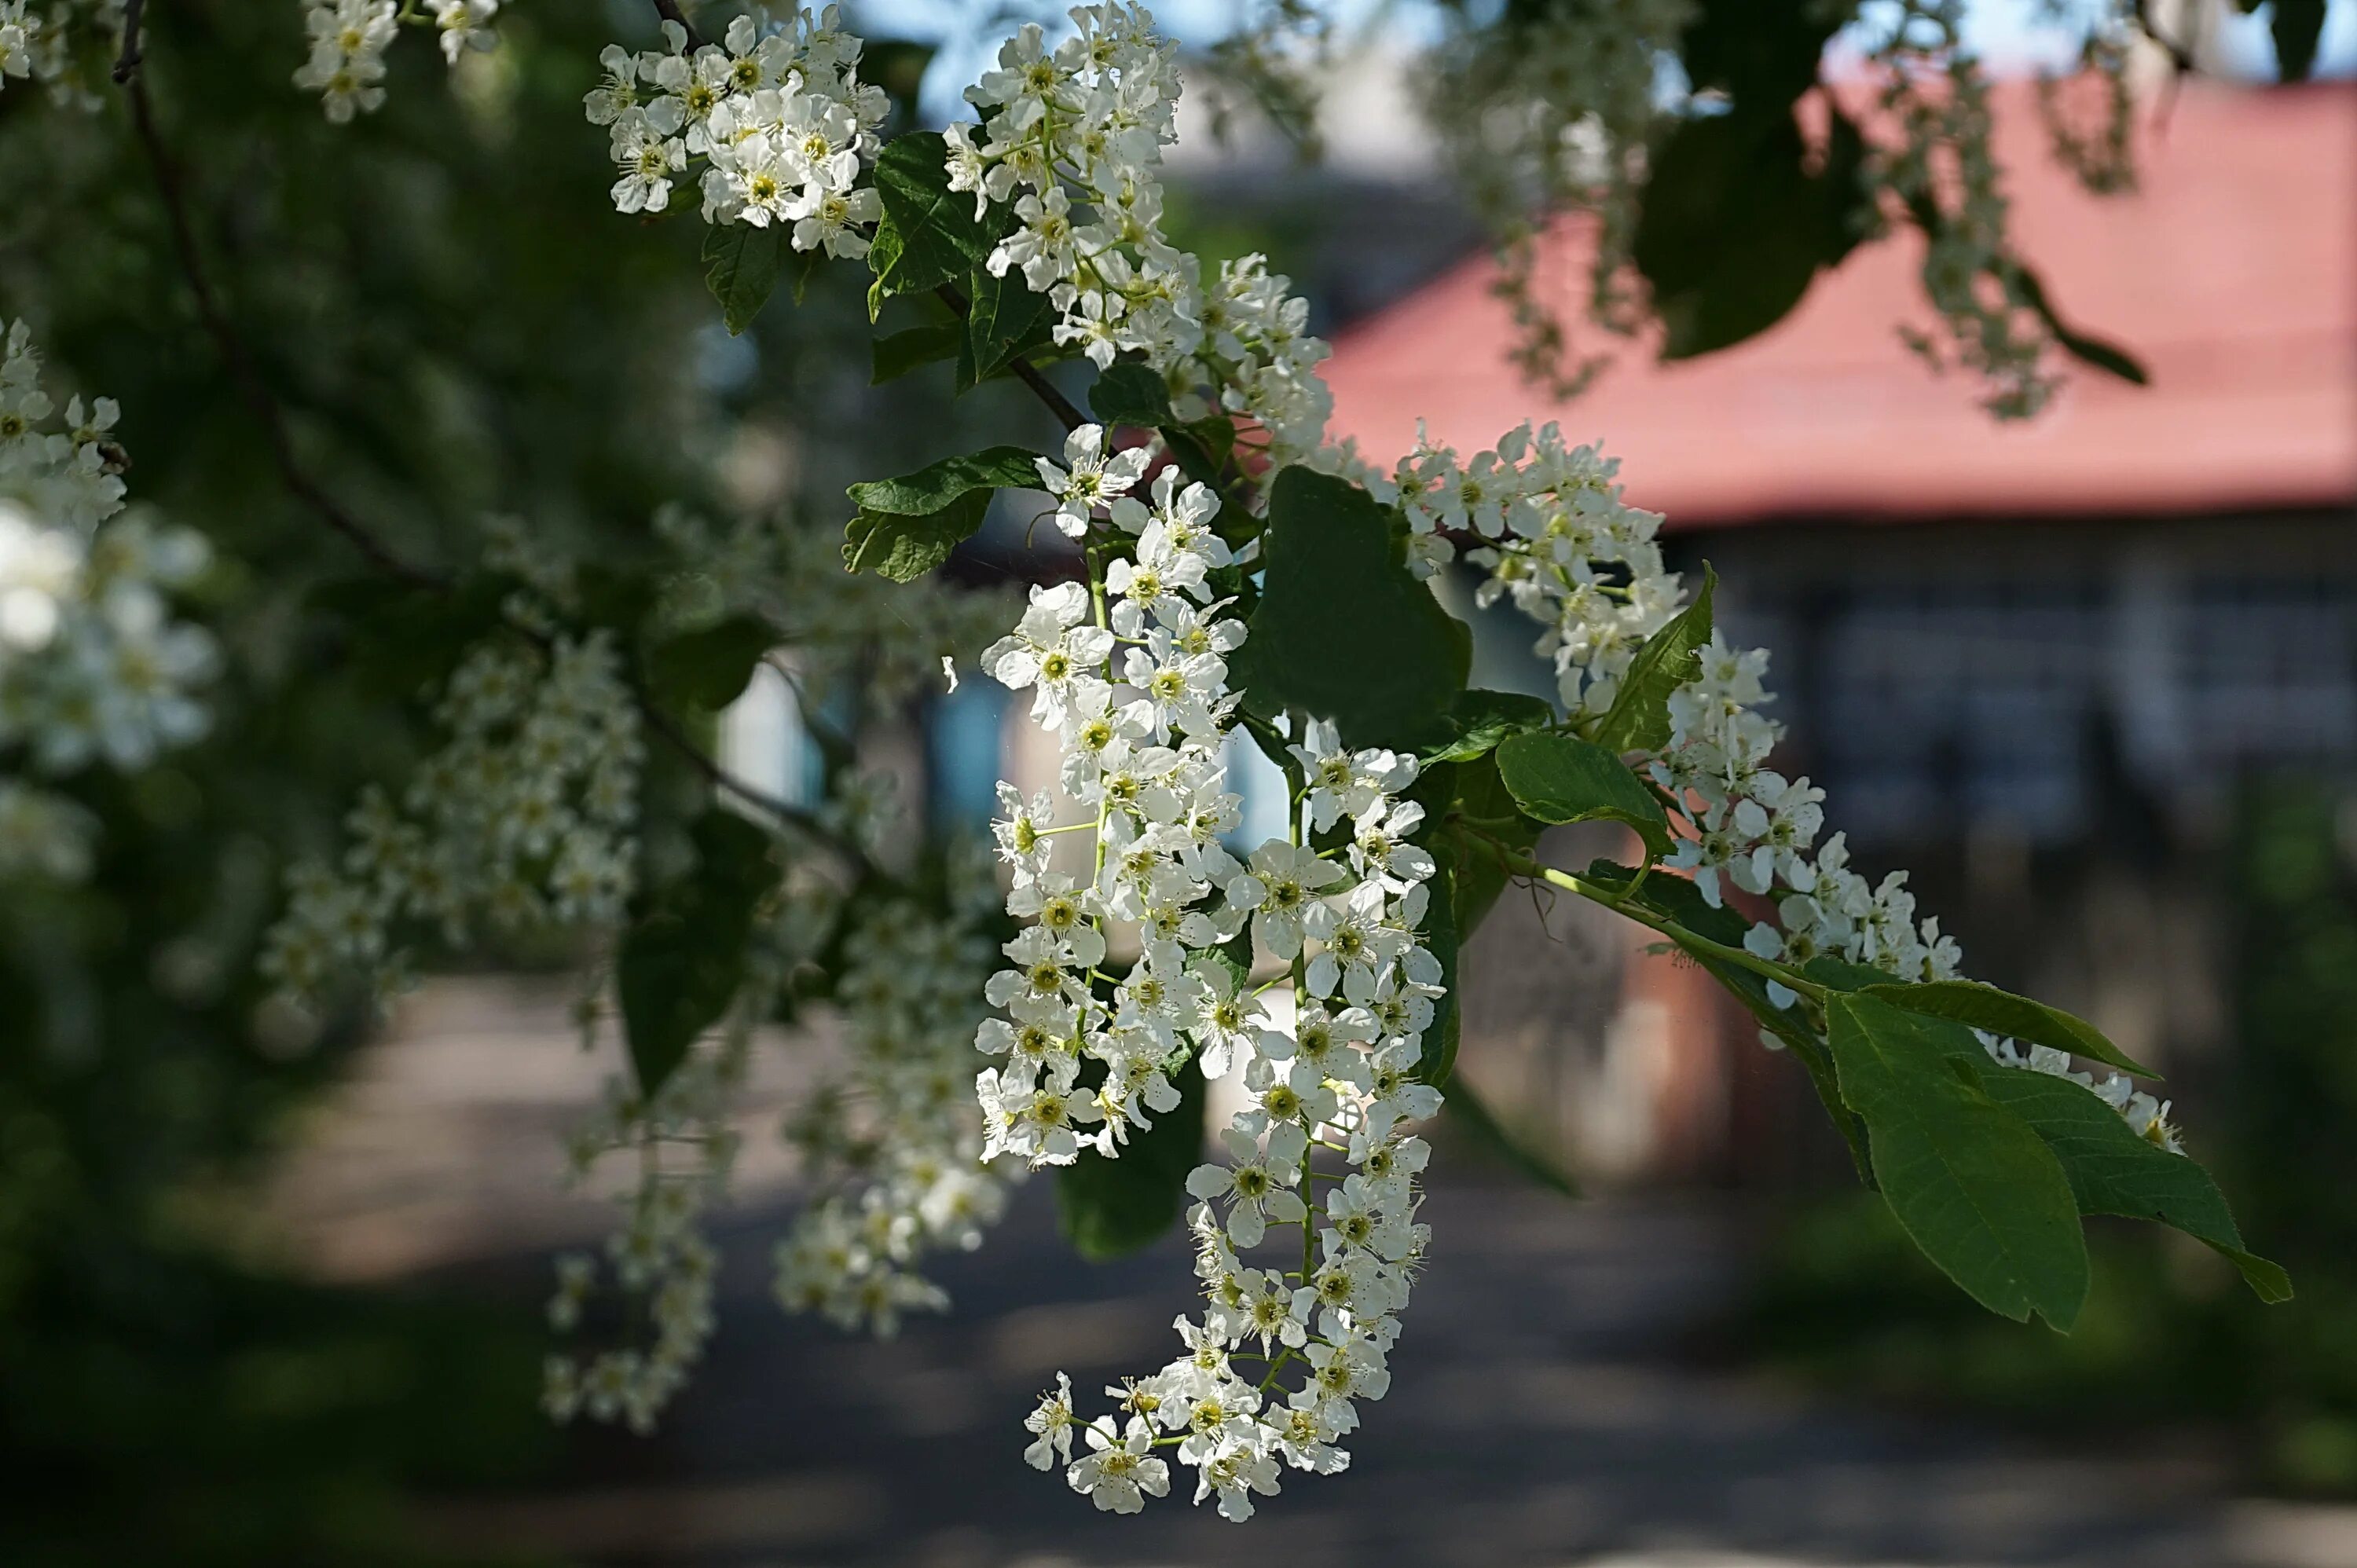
(1545,1407)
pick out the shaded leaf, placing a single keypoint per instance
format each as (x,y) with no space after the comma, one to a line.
(1562,778)
(1478,720)
(2113,1171)
(928,235)
(1003,320)
(1970,1181)
(1343,630)
(2103,355)
(895,355)
(741,265)
(2003,1013)
(1639,719)
(908,525)
(682,959)
(708,668)
(1110,1208)
(1441,937)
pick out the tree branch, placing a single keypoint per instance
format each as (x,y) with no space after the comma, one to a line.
(251,387)
(128,62)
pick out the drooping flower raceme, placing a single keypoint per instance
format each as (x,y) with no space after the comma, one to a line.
(1072,136)
(774,117)
(1557,540)
(94,670)
(525,815)
(1130,674)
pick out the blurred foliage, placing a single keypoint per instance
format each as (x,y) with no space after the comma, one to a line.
(2168,1334)
(457,324)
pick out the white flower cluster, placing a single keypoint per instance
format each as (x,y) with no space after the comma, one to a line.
(1130,673)
(777,113)
(1552,116)
(348,38)
(55,44)
(895,1143)
(524,815)
(1935,91)
(1074,137)
(658,1257)
(94,669)
(1559,541)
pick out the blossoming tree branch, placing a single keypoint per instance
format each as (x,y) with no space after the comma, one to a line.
(1062,995)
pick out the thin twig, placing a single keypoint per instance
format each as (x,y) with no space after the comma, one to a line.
(128,62)
(252,389)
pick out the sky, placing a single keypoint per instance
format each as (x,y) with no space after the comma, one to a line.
(2010,35)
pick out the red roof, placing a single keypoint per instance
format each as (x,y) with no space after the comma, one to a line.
(2232,273)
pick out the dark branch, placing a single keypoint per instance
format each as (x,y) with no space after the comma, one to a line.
(1025,371)
(128,62)
(252,389)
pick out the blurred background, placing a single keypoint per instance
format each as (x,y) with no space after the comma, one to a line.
(2092,680)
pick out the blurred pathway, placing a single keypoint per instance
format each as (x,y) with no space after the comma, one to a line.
(1536,1416)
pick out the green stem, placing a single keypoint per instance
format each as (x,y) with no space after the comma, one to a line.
(1619,900)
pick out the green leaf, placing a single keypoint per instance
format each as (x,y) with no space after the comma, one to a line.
(2104,356)
(928,235)
(2113,1171)
(908,525)
(1343,631)
(1639,719)
(2003,1013)
(741,265)
(1472,816)
(1129,392)
(1561,778)
(1110,1208)
(896,354)
(1003,320)
(680,961)
(1470,1115)
(903,549)
(1760,54)
(2297,25)
(1735,224)
(1478,720)
(1971,1182)
(709,667)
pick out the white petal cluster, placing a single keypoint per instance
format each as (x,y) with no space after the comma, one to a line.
(62,44)
(348,38)
(1936,91)
(94,670)
(1074,136)
(1557,540)
(524,815)
(659,1263)
(1547,116)
(895,1143)
(775,115)
(1130,673)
